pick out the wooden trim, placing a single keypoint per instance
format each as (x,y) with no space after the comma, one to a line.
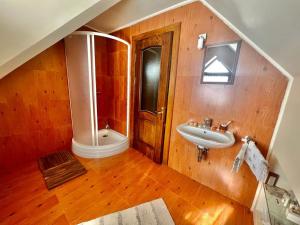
(175,28)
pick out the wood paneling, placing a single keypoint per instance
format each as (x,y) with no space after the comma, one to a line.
(103,82)
(253,102)
(34,109)
(110,185)
(111,71)
(117,69)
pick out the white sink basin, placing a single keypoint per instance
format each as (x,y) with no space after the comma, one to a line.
(206,138)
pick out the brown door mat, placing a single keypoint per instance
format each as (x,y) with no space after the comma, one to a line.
(60,167)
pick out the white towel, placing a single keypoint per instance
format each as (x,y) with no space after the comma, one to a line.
(255,160)
(239,158)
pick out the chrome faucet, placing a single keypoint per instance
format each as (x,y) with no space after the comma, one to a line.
(224,126)
(207,122)
(107,126)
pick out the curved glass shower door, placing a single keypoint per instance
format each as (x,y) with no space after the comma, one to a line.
(81,48)
(81,88)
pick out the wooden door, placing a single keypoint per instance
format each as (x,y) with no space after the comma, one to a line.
(152,70)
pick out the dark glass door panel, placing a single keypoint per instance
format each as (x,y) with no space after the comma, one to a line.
(151,58)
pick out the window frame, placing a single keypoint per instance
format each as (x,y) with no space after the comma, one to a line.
(231,77)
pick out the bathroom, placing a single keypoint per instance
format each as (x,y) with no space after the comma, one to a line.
(58,108)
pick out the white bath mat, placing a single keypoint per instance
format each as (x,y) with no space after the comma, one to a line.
(149,213)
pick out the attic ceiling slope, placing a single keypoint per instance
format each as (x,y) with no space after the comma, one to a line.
(273,25)
(128,11)
(29,27)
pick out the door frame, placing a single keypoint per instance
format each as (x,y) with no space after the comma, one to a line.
(175,28)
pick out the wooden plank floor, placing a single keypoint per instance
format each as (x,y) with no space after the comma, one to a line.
(110,185)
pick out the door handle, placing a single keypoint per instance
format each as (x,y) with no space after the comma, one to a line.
(161,112)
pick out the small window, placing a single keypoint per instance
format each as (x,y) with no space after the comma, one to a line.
(220,63)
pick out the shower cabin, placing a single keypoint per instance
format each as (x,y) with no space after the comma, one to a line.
(98,67)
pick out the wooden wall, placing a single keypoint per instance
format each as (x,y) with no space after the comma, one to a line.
(34,109)
(253,102)
(103,82)
(117,60)
(111,71)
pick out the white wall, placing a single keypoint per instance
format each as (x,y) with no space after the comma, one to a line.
(29,27)
(273,25)
(287,143)
(277,168)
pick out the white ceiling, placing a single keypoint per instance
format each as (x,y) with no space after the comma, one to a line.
(29,27)
(273,25)
(128,11)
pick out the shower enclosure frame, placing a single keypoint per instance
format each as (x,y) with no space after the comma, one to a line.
(91,64)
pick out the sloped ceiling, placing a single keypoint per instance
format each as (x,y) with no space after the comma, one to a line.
(273,25)
(29,27)
(128,11)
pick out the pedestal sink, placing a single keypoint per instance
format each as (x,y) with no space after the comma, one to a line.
(205,138)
